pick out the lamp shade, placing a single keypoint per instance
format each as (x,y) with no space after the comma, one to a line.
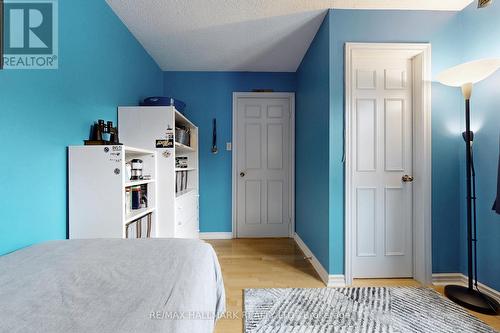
(469,73)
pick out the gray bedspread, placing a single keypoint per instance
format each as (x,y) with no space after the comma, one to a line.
(141,285)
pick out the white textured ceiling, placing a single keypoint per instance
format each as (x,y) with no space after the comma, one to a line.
(239,35)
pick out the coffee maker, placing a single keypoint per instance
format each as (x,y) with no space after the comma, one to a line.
(136,169)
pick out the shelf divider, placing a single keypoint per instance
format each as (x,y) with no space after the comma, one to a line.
(138,213)
(139,182)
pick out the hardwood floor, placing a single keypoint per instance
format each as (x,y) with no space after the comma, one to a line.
(277,263)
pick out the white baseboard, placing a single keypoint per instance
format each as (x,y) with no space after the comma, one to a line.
(443,279)
(334,280)
(216,235)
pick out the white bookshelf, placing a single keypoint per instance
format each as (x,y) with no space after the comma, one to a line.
(177,211)
(98,182)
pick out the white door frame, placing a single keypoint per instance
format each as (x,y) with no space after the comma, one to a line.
(422,215)
(235,172)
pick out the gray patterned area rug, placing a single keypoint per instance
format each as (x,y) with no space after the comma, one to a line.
(356,310)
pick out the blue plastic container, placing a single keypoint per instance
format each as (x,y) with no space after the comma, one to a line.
(164,101)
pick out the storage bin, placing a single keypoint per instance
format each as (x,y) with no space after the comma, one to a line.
(183,136)
(164,101)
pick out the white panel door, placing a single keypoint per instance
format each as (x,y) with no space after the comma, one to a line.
(381,137)
(263,165)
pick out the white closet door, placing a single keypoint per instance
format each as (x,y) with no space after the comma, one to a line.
(382,155)
(263,155)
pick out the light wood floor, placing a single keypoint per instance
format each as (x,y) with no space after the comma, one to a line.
(277,263)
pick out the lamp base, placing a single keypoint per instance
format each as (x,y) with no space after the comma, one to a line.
(472,299)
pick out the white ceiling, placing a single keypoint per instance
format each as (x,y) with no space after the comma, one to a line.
(240,35)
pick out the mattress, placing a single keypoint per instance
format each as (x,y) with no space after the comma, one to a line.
(137,285)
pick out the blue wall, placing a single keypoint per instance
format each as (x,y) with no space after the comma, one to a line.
(312,148)
(447,32)
(320,83)
(481,36)
(442,30)
(101,66)
(208,95)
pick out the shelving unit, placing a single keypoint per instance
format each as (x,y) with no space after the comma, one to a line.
(177,212)
(98,181)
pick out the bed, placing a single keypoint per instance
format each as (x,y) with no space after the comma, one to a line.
(139,285)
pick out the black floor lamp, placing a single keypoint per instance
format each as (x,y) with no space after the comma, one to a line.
(465,76)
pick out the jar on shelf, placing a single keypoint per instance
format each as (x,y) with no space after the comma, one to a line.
(136,197)
(128,200)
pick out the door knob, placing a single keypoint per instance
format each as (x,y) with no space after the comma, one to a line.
(407,178)
(242,174)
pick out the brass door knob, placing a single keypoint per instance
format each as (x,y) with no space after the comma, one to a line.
(407,178)
(242,174)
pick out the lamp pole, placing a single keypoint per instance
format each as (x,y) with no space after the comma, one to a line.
(468,296)
(469,192)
